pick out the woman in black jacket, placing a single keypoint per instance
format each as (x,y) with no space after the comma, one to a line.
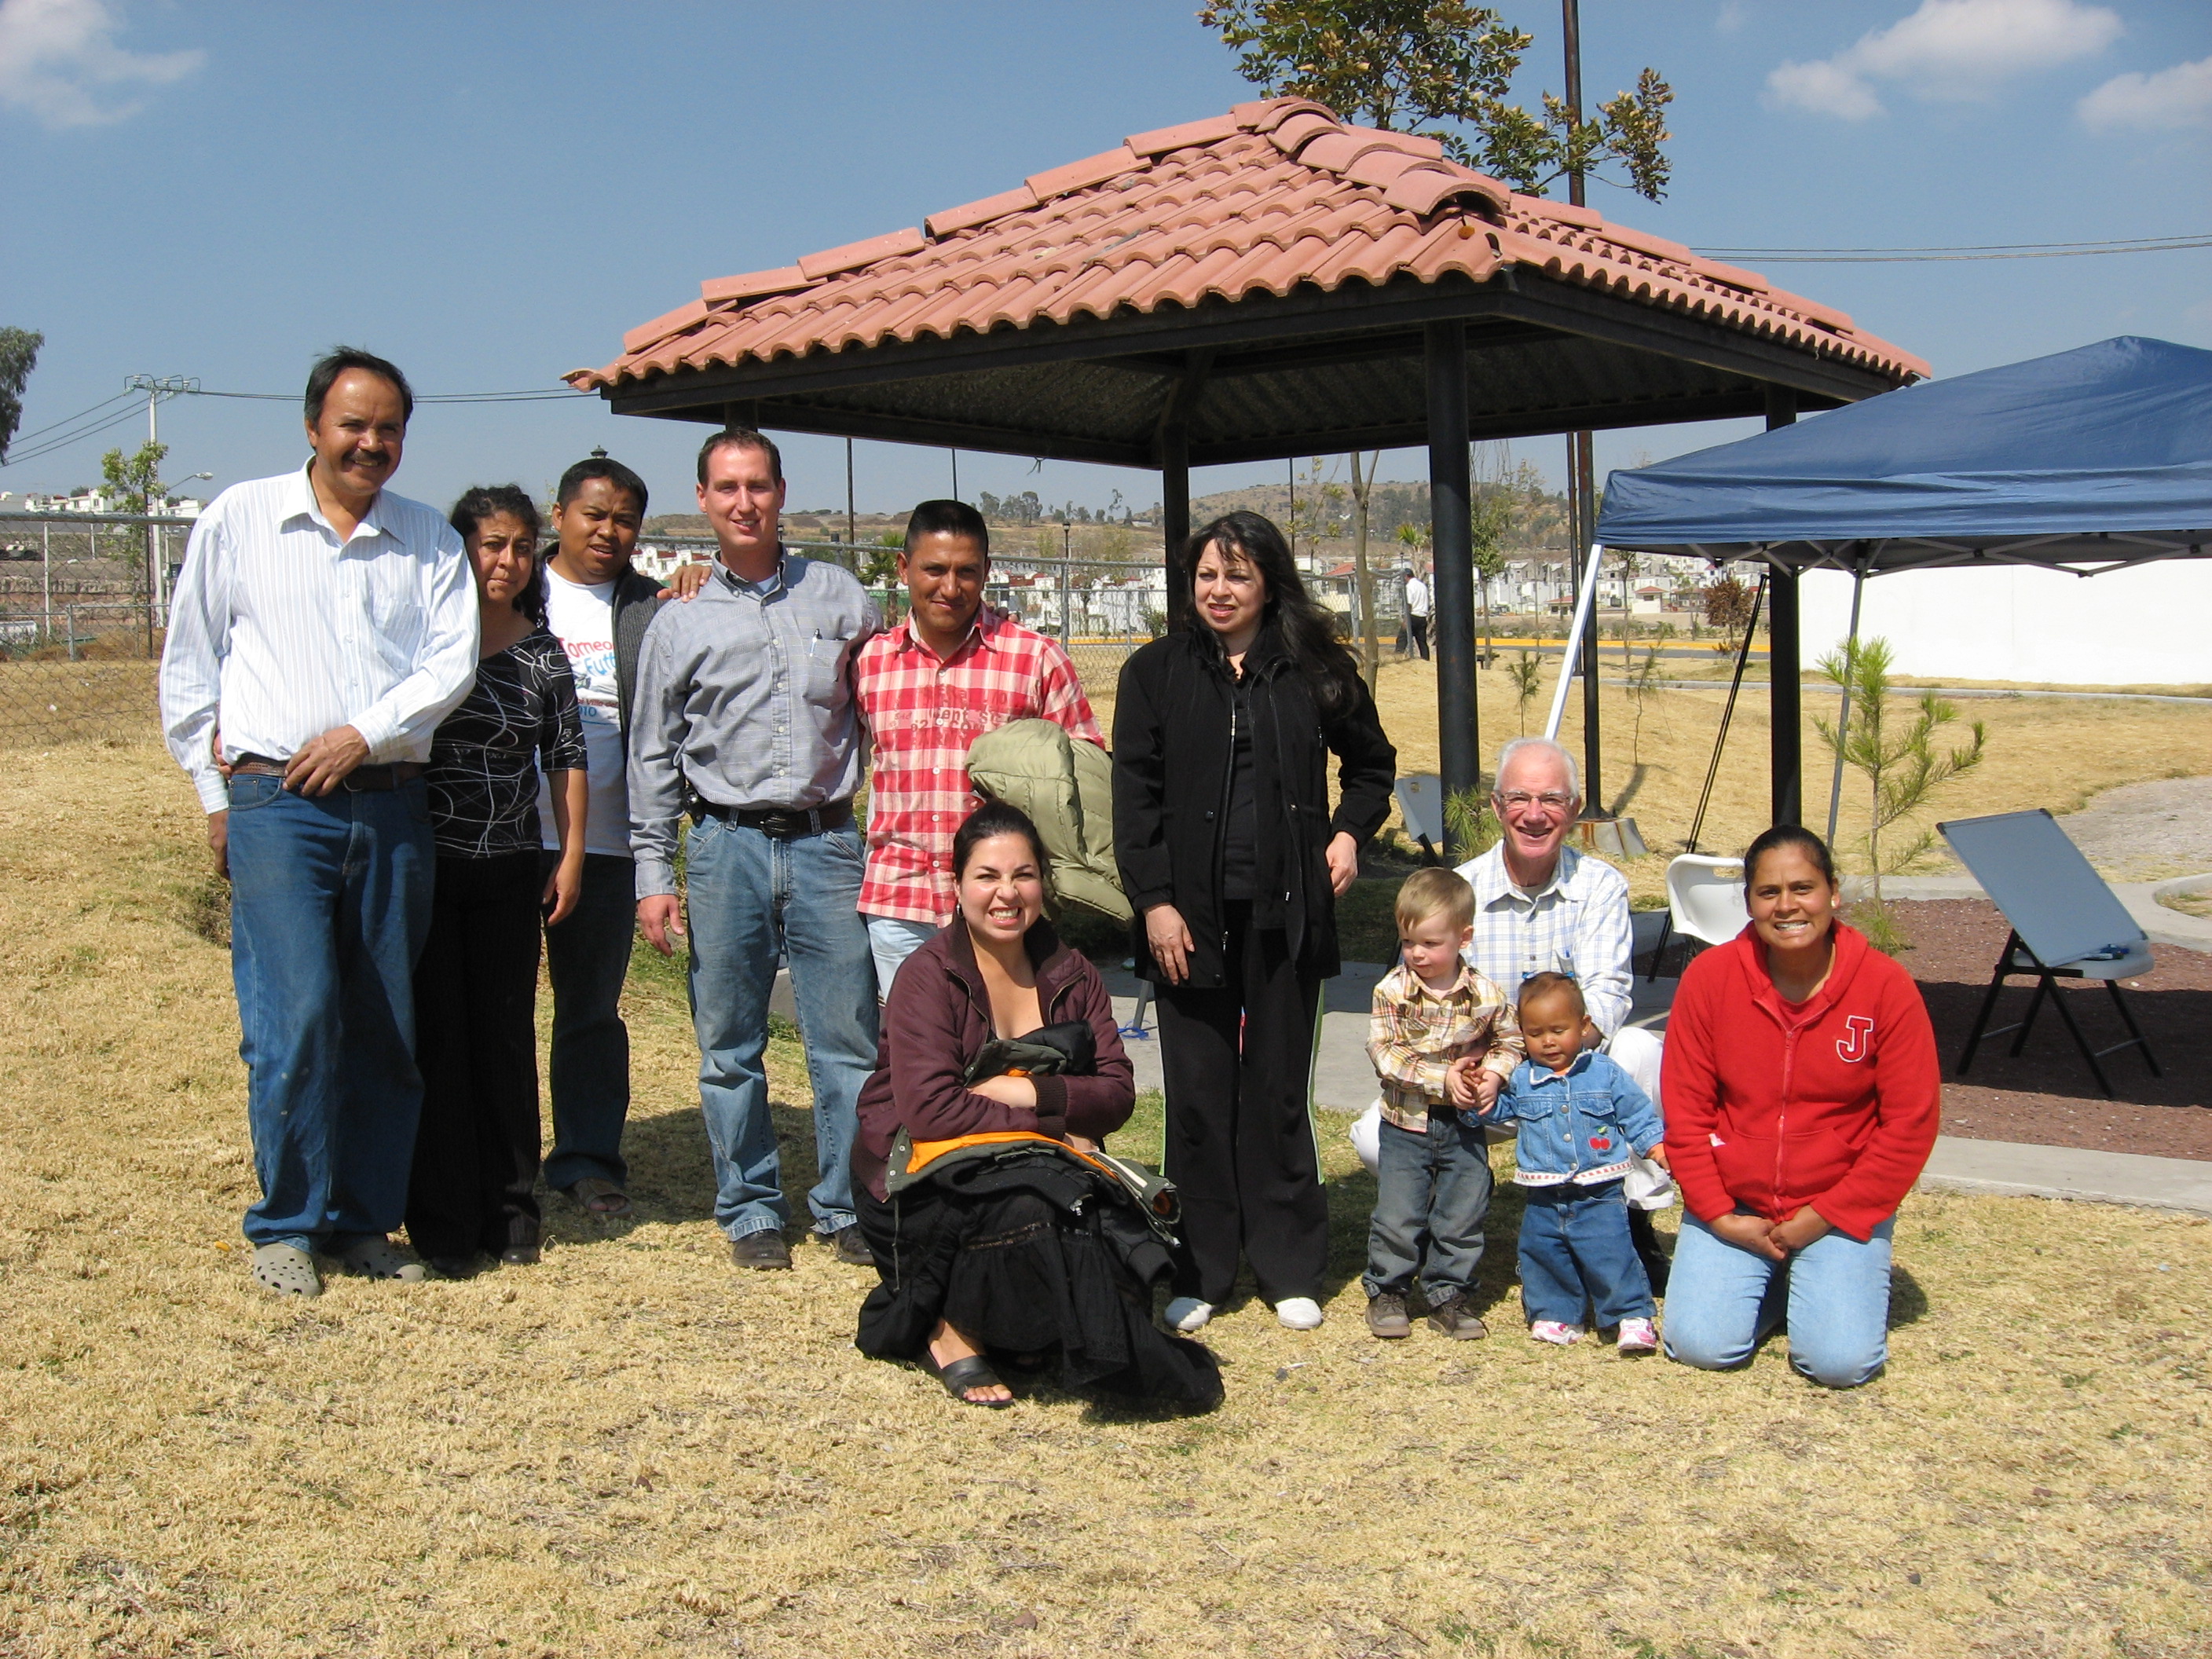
(1233,861)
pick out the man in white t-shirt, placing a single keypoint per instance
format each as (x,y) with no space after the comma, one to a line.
(597,606)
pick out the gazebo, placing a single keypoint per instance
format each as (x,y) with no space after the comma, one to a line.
(1267,284)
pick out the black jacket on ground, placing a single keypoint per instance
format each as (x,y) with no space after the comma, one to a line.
(1172,760)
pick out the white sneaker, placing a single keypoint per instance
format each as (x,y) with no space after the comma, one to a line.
(1299,1313)
(1638,1336)
(1550,1330)
(1188,1314)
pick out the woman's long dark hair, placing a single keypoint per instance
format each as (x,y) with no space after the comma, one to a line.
(482,501)
(1308,628)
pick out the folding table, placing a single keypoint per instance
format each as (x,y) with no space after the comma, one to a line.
(2066,924)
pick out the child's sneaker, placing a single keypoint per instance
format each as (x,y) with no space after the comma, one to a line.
(1552,1331)
(1638,1336)
(1299,1313)
(1386,1317)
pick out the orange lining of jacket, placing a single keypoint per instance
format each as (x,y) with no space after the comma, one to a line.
(927,1152)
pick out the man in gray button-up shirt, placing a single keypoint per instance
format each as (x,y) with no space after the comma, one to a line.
(743,716)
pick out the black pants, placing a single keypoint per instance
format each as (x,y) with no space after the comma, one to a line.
(476,989)
(1237,1063)
(587,957)
(1421,627)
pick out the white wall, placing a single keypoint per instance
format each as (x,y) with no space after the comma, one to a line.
(2148,626)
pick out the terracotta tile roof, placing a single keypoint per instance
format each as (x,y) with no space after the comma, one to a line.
(1270,196)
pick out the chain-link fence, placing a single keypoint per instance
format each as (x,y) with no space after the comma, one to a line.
(1101,609)
(81,623)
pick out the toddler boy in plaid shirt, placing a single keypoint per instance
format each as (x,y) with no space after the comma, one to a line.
(1444,1039)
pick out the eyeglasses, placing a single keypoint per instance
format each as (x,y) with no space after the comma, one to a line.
(1521,800)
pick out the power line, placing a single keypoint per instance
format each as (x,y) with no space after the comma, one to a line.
(1971,251)
(63,441)
(26,437)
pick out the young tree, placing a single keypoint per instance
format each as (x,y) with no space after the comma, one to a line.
(1405,65)
(1728,608)
(1645,682)
(1526,674)
(1902,768)
(19,355)
(136,483)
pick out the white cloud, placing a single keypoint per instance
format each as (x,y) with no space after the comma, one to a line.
(59,62)
(2178,97)
(1947,49)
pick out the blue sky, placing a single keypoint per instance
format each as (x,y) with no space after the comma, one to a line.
(490,193)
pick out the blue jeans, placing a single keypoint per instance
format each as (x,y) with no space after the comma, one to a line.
(892,940)
(587,959)
(1431,1192)
(752,895)
(1832,1297)
(330,904)
(1576,1248)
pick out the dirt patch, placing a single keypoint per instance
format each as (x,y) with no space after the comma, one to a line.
(2046,1096)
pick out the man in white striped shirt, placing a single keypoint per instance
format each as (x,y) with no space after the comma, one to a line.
(324,627)
(1541,907)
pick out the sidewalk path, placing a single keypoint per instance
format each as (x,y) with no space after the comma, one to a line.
(1998,1166)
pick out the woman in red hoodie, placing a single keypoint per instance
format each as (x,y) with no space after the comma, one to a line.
(1802,1096)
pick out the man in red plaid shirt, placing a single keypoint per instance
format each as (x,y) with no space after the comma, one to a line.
(954,670)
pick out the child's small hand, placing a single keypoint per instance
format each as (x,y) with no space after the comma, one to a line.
(1487,1083)
(1460,1086)
(1658,1155)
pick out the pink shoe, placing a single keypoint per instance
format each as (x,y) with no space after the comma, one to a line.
(1638,1336)
(1550,1330)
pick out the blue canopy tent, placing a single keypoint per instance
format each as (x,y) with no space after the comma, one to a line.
(2090,460)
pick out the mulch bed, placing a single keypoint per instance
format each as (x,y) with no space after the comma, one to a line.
(2046,1098)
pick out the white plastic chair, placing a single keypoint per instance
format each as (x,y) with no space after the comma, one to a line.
(1705,897)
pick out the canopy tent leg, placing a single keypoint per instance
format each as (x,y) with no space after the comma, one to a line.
(1175,518)
(1783,658)
(1585,457)
(1844,714)
(1452,537)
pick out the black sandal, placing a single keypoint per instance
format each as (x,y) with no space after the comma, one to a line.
(962,1374)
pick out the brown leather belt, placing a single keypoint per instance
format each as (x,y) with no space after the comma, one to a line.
(781,822)
(372,778)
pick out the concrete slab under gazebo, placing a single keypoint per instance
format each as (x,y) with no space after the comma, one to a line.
(1266,283)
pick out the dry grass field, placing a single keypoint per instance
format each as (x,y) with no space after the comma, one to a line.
(631,1450)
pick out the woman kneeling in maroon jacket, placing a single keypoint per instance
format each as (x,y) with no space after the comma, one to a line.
(1801,1100)
(1019,1255)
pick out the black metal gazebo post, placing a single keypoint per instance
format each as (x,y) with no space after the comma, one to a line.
(1452,536)
(1786,744)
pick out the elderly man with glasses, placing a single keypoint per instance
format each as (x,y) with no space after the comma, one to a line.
(1541,907)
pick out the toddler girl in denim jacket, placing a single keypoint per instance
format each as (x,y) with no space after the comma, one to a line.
(1580,1117)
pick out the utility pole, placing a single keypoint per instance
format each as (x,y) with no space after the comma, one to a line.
(1582,463)
(156,387)
(851,535)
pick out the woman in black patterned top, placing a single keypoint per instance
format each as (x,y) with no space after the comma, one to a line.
(476,1150)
